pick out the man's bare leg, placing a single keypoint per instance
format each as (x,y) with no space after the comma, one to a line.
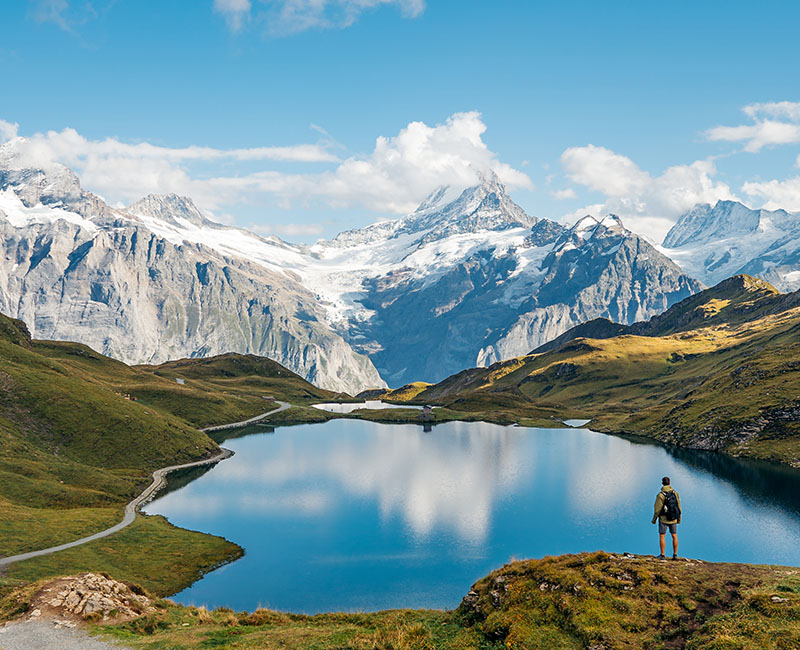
(674,544)
(662,543)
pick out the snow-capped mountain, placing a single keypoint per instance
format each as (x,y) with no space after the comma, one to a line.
(477,297)
(466,279)
(142,285)
(712,243)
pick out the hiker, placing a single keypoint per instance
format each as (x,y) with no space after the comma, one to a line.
(667,510)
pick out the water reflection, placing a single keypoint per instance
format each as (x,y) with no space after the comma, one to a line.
(369,405)
(448,481)
(354,515)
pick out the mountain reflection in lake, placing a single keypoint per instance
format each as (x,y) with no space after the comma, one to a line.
(349,515)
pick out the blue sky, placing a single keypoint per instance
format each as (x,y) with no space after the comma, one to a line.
(268,113)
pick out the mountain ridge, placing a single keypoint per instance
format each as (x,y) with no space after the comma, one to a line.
(468,278)
(711,243)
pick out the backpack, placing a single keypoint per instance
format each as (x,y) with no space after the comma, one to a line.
(671,510)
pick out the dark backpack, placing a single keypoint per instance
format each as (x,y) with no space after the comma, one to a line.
(671,510)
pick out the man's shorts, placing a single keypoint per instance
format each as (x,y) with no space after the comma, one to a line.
(662,528)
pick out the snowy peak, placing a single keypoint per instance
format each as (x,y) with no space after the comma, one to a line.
(588,229)
(446,212)
(705,223)
(170,208)
(715,242)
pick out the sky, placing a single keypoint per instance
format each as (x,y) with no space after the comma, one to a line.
(303,118)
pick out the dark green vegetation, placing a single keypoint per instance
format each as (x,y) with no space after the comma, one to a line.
(80,435)
(591,600)
(719,370)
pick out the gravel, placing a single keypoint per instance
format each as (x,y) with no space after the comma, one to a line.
(49,635)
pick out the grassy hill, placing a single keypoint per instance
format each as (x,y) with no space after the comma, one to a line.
(570,602)
(719,370)
(80,434)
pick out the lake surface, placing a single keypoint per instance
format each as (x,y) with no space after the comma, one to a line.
(370,405)
(354,515)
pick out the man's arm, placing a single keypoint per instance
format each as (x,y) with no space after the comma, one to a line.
(680,510)
(657,506)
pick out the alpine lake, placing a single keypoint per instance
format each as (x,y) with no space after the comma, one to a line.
(351,515)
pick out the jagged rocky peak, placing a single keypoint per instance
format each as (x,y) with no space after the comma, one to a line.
(589,229)
(486,206)
(705,223)
(34,184)
(170,208)
(449,211)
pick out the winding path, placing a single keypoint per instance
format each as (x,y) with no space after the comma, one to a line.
(159,480)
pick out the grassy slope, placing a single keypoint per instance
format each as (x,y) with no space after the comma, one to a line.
(732,385)
(69,442)
(75,448)
(571,602)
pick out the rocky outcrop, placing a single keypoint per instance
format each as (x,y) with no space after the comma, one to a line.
(91,596)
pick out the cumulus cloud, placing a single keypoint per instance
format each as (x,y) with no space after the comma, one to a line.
(235,12)
(773,123)
(776,194)
(648,204)
(402,170)
(394,178)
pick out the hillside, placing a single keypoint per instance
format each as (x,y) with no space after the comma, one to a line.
(81,432)
(570,602)
(719,370)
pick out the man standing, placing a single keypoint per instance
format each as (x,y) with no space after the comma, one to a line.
(667,510)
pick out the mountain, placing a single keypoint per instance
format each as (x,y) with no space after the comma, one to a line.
(734,301)
(468,278)
(143,285)
(711,243)
(473,298)
(719,370)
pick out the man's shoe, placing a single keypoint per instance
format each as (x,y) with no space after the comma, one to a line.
(674,556)
(660,557)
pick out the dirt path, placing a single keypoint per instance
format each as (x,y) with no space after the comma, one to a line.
(234,425)
(49,635)
(159,480)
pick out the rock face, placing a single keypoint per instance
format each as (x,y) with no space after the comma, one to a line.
(505,292)
(91,595)
(712,243)
(465,280)
(74,269)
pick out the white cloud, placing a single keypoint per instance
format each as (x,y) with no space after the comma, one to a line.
(774,123)
(8,131)
(285,17)
(788,110)
(564,194)
(63,13)
(236,12)
(776,194)
(294,16)
(648,205)
(394,178)
(402,170)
